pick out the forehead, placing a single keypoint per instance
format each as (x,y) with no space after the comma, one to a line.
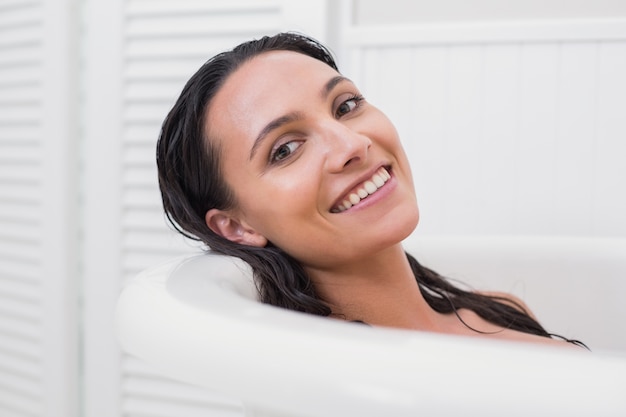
(269,71)
(265,87)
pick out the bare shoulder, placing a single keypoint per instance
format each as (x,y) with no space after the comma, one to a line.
(510,300)
(520,305)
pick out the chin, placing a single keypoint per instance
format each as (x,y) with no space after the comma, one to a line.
(401,225)
(412,224)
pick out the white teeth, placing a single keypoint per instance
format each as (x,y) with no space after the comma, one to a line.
(376,179)
(369,187)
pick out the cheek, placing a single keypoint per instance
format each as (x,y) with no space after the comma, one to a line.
(279,205)
(391,139)
(378,126)
(390,132)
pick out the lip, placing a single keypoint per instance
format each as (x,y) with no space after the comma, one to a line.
(365,177)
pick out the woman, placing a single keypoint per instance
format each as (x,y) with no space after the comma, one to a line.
(272,156)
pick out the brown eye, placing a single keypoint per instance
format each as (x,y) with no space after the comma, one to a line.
(285,150)
(349,105)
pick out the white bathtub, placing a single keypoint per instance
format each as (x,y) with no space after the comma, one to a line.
(197,320)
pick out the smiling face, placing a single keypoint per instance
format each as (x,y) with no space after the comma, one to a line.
(314,168)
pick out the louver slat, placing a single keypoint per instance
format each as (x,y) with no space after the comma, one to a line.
(21,329)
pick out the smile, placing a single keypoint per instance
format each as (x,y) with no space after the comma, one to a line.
(363,191)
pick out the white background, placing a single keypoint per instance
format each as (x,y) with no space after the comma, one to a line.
(514,119)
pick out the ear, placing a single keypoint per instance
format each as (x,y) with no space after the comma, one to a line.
(230,227)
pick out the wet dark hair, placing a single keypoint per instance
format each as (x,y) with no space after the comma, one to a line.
(191,183)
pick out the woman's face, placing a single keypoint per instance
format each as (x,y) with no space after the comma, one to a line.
(314,168)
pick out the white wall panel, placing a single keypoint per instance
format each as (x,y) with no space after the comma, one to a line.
(461,134)
(498,138)
(536,140)
(506,135)
(38,337)
(608,198)
(428,109)
(421,11)
(576,121)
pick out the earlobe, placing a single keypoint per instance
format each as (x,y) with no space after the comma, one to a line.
(226,225)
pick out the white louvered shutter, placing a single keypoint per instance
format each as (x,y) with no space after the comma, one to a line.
(38,322)
(153,47)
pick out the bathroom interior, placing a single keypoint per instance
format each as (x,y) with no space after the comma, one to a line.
(513,117)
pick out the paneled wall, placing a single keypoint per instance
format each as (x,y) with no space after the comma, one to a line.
(512,128)
(38,292)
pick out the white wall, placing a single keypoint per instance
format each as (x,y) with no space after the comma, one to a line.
(512,127)
(393,12)
(38,229)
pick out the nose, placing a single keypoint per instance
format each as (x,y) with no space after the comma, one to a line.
(344,147)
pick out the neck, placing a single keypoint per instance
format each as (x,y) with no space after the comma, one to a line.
(379,290)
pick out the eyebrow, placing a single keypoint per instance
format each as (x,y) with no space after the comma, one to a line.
(328,87)
(294,116)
